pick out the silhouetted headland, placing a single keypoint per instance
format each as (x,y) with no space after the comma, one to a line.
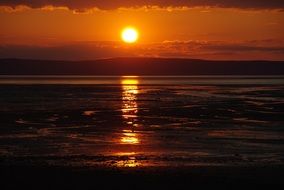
(140,66)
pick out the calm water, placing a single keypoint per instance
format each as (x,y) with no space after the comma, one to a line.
(141,121)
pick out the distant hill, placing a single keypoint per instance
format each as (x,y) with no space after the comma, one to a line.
(140,66)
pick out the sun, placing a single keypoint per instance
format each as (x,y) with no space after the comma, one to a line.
(129,35)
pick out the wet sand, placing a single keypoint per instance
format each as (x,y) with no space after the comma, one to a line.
(139,131)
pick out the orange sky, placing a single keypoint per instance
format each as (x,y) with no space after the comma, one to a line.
(198,32)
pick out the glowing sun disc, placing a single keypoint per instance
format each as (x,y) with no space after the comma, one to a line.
(129,35)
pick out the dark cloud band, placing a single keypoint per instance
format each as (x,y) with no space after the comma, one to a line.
(184,49)
(113,4)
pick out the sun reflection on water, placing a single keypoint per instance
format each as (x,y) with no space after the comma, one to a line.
(129,100)
(129,111)
(131,162)
(129,137)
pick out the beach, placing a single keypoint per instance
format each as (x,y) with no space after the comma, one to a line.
(136,131)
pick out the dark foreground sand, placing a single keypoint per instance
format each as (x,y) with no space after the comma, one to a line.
(37,177)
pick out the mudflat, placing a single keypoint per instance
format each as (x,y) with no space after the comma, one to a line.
(141,132)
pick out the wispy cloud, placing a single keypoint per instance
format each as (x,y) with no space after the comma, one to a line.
(262,49)
(105,5)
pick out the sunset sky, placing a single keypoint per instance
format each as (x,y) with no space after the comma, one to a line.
(91,29)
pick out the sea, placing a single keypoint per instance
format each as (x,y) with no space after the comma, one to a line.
(141,121)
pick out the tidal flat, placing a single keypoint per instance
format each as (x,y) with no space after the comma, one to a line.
(216,129)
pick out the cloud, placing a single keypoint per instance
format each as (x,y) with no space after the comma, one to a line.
(183,49)
(262,49)
(114,4)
